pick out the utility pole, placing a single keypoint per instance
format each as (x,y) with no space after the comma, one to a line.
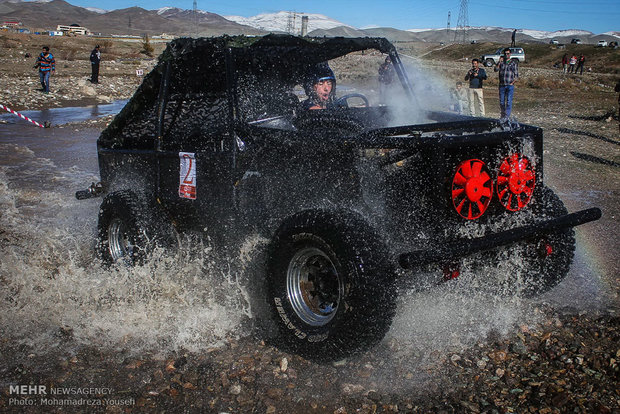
(448,27)
(462,24)
(195,18)
(290,24)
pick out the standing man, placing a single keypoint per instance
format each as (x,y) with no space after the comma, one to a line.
(565,63)
(47,66)
(580,62)
(475,76)
(514,35)
(508,74)
(95,58)
(386,76)
(617,89)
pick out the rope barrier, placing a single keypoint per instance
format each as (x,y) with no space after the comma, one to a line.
(46,124)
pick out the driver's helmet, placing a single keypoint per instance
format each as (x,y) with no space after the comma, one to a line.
(320,71)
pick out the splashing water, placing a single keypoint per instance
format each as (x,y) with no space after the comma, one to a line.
(51,282)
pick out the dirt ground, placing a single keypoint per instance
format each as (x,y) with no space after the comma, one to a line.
(567,362)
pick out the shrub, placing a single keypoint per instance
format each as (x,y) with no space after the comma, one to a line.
(147,48)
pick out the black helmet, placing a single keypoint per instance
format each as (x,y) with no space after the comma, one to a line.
(320,71)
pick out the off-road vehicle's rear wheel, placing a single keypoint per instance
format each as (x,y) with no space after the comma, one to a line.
(129,230)
(531,268)
(551,258)
(330,284)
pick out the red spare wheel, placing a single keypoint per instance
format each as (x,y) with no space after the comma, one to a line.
(515,182)
(472,189)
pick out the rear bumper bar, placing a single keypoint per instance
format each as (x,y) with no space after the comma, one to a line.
(464,247)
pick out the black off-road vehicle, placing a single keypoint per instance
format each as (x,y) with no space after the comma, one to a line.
(352,200)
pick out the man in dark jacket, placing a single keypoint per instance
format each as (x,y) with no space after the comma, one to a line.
(475,76)
(617,89)
(386,77)
(580,62)
(95,58)
(47,65)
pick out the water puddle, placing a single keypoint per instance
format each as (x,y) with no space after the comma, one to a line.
(57,116)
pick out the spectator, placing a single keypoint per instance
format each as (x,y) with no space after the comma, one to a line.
(95,58)
(565,63)
(386,77)
(617,89)
(508,74)
(571,63)
(47,66)
(475,76)
(514,35)
(459,99)
(580,63)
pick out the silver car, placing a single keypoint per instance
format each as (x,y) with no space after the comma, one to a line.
(493,59)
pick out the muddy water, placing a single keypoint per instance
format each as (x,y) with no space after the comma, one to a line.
(51,283)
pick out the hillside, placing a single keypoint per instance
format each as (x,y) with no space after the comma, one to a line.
(129,21)
(46,15)
(599,59)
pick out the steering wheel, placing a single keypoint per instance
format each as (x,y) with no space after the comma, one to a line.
(342,101)
(326,119)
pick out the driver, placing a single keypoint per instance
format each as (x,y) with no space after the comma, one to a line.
(320,86)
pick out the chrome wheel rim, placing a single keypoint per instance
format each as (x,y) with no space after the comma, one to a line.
(119,244)
(314,287)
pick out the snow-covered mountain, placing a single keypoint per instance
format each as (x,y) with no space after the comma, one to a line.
(279,22)
(536,34)
(539,34)
(96,10)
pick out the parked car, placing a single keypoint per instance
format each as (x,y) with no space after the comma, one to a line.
(576,41)
(493,58)
(602,43)
(215,143)
(554,42)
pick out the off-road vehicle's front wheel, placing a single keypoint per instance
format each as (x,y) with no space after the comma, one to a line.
(129,229)
(330,284)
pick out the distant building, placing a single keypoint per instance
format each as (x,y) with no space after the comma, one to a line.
(56,33)
(164,36)
(73,29)
(11,24)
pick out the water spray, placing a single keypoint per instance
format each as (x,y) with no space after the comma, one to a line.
(46,124)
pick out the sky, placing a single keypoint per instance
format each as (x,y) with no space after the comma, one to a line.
(597,16)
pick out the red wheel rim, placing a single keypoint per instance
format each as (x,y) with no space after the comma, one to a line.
(472,189)
(515,182)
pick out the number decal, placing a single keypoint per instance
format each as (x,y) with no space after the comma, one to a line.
(187,175)
(189,170)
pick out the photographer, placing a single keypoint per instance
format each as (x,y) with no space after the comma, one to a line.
(475,76)
(508,74)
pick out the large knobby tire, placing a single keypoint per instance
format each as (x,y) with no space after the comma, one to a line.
(129,230)
(330,284)
(539,265)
